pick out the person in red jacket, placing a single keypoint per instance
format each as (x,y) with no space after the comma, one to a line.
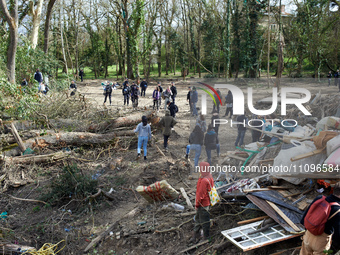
(202,204)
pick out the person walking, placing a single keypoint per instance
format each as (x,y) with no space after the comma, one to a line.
(229,103)
(126,90)
(241,130)
(202,123)
(329,76)
(135,97)
(217,105)
(144,135)
(336,77)
(211,142)
(38,76)
(143,86)
(189,95)
(156,95)
(316,244)
(166,96)
(193,101)
(195,143)
(202,203)
(81,75)
(108,92)
(167,122)
(160,89)
(133,88)
(125,82)
(257,123)
(214,122)
(173,91)
(172,108)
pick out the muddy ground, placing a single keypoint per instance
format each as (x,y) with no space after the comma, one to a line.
(152,229)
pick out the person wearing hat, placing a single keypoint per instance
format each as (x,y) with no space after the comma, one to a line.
(167,122)
(144,135)
(202,203)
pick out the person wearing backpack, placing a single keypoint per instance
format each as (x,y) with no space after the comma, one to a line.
(173,109)
(202,203)
(167,122)
(38,76)
(195,143)
(144,135)
(126,90)
(133,92)
(108,92)
(135,97)
(143,86)
(173,91)
(322,223)
(211,142)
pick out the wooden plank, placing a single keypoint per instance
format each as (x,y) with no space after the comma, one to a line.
(252,220)
(308,154)
(184,194)
(236,157)
(286,219)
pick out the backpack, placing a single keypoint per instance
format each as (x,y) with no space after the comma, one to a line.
(125,90)
(176,108)
(318,215)
(108,88)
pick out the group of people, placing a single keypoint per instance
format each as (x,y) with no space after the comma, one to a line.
(336,76)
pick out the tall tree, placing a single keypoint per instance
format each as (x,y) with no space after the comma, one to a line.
(36,14)
(12,21)
(47,24)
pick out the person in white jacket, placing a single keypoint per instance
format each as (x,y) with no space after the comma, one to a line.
(144,135)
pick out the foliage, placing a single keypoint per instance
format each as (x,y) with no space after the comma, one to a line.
(72,183)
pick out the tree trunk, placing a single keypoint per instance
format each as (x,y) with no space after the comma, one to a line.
(62,41)
(13,27)
(36,23)
(121,122)
(47,24)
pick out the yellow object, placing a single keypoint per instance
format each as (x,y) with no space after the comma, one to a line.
(46,249)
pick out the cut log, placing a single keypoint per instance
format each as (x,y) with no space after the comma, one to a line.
(121,121)
(66,138)
(17,138)
(29,159)
(184,194)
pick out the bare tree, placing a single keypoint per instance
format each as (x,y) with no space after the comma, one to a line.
(36,14)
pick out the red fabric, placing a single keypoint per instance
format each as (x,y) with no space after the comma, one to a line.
(204,184)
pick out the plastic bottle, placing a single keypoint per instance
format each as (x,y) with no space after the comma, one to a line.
(177,207)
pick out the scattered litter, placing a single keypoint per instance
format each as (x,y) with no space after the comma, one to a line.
(241,238)
(158,191)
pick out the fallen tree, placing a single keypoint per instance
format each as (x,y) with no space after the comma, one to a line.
(121,122)
(29,159)
(65,138)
